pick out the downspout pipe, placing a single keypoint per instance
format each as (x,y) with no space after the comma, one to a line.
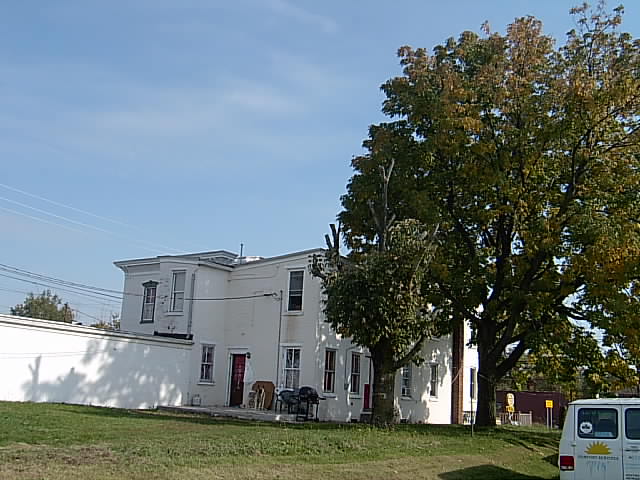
(190,317)
(189,398)
(278,345)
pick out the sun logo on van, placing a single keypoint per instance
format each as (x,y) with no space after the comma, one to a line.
(598,448)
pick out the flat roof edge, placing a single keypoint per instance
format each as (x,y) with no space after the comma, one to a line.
(13,320)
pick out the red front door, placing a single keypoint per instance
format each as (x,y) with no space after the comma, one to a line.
(367,397)
(237,379)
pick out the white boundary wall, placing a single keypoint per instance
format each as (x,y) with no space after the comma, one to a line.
(44,361)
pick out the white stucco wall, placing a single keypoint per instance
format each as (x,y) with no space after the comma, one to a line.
(470,361)
(263,325)
(207,327)
(131,313)
(45,361)
(423,405)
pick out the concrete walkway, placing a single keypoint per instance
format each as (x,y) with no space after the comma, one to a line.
(236,412)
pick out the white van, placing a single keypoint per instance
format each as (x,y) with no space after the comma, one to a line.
(601,440)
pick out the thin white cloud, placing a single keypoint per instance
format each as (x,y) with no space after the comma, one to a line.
(136,126)
(283,7)
(121,103)
(314,79)
(258,98)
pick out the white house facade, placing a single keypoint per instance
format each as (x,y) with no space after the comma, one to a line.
(260,319)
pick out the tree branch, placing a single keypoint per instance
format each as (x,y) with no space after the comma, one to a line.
(457,305)
(411,354)
(508,363)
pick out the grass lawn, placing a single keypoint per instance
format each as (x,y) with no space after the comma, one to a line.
(53,441)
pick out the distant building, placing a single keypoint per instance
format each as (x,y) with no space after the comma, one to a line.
(534,403)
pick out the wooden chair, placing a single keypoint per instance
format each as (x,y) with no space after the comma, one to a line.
(260,396)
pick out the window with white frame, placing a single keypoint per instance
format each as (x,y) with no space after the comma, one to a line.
(433,381)
(354,386)
(472,382)
(206,364)
(292,367)
(405,381)
(296,281)
(329,370)
(148,302)
(177,291)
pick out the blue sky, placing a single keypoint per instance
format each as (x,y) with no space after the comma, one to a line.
(196,125)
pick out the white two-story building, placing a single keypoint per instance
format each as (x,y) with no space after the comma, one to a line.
(260,319)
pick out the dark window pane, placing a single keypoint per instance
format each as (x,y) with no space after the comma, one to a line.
(434,381)
(597,423)
(405,383)
(295,291)
(295,280)
(295,303)
(148,303)
(632,423)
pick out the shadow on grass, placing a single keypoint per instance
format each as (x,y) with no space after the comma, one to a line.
(526,437)
(164,416)
(552,459)
(486,472)
(516,435)
(201,418)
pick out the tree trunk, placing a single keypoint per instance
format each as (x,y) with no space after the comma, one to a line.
(487,380)
(384,381)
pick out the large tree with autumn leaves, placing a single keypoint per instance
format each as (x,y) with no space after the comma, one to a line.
(527,156)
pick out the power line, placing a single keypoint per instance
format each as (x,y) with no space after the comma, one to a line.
(87,315)
(104,303)
(152,246)
(58,287)
(53,284)
(244,297)
(85,212)
(16,212)
(79,210)
(107,292)
(39,210)
(20,271)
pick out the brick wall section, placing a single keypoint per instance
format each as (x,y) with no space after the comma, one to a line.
(534,402)
(457,373)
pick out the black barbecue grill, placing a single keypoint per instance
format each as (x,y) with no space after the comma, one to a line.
(300,401)
(307,398)
(289,398)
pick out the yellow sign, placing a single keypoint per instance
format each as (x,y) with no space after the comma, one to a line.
(548,403)
(510,409)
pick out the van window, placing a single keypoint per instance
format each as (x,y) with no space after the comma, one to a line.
(632,423)
(597,423)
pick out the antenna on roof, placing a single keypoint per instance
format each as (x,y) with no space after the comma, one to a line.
(241,248)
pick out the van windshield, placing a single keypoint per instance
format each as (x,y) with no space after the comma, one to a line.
(597,423)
